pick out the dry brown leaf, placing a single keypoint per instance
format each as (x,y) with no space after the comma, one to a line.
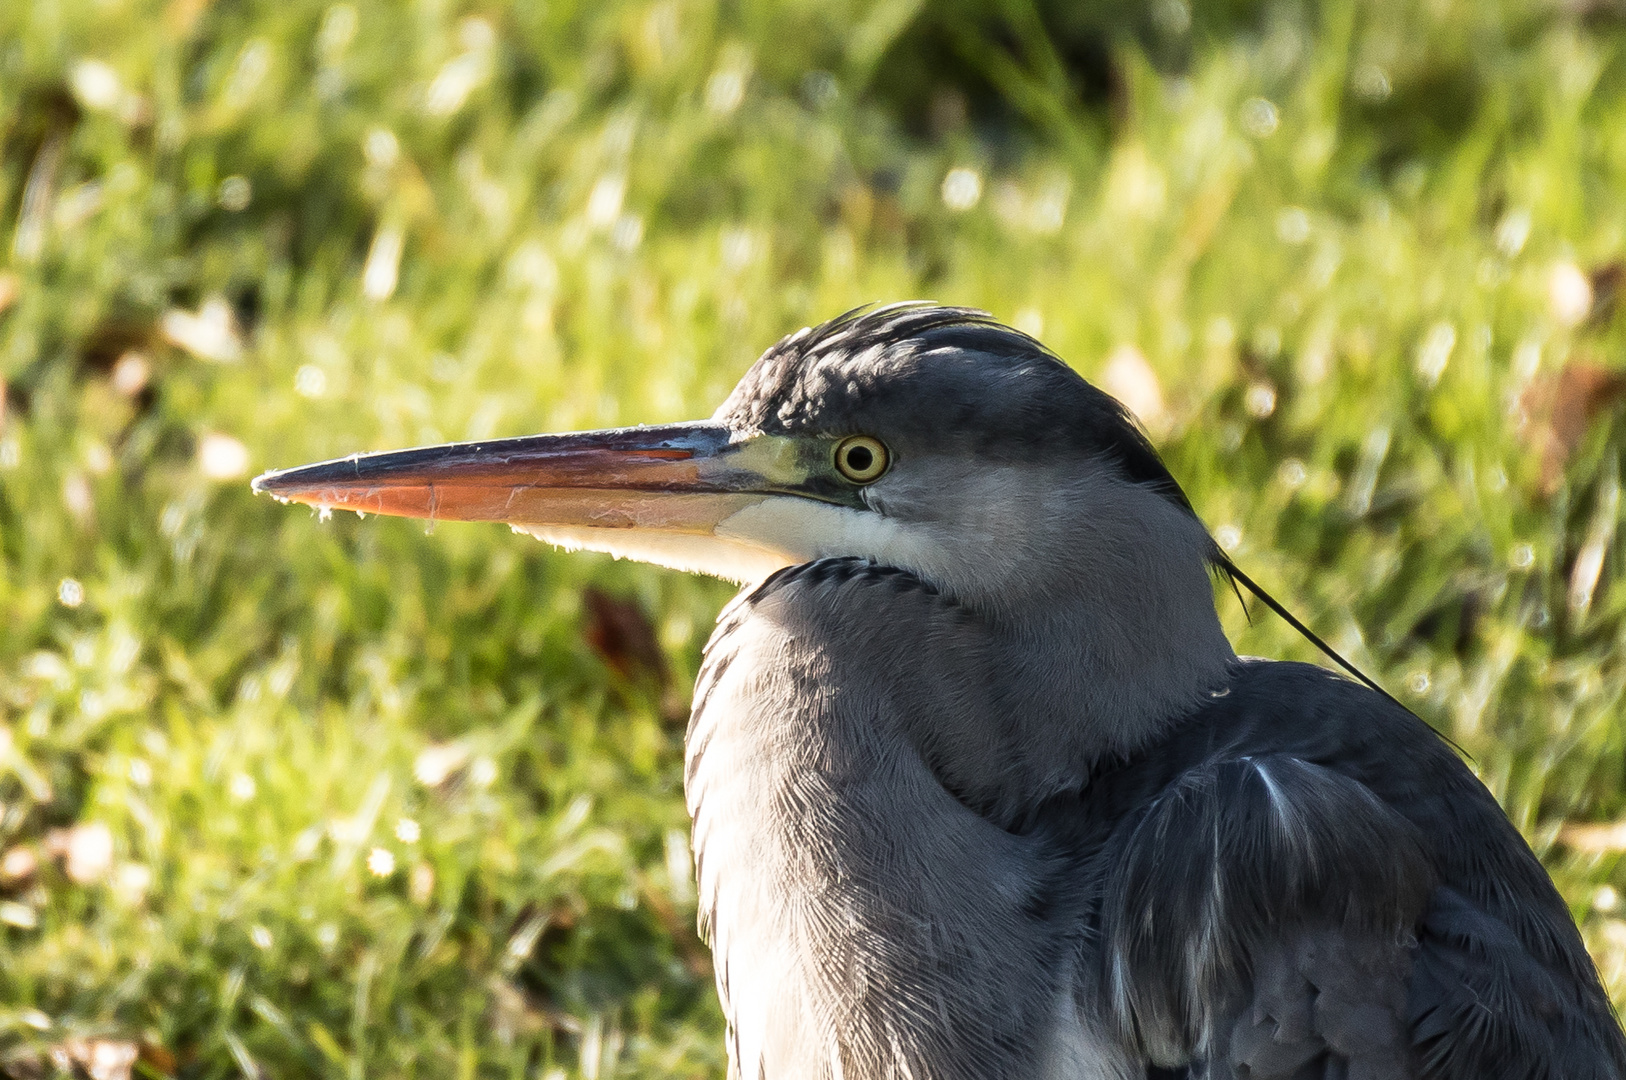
(622,635)
(158,1059)
(1558,410)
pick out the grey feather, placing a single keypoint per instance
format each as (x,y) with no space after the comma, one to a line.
(926,942)
(1010,807)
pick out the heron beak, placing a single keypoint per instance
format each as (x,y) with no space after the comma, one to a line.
(681,477)
(652,493)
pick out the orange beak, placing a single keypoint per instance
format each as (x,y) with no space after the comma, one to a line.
(681,478)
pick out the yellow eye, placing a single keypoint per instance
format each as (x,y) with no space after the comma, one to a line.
(861,459)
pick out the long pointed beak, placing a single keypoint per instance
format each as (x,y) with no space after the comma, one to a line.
(682,478)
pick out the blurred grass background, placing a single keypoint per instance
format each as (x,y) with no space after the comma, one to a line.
(286,797)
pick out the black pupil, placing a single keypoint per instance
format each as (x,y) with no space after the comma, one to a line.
(860,458)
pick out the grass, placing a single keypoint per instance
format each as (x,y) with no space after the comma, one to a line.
(284,796)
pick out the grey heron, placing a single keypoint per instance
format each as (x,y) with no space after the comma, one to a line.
(979,787)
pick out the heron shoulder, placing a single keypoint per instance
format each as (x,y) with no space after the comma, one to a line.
(1296,804)
(1232,863)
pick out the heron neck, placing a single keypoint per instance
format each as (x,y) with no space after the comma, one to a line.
(1100,642)
(1092,594)
(1069,691)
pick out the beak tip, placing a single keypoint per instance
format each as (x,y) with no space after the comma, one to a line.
(267,484)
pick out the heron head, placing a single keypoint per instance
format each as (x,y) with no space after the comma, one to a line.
(925,437)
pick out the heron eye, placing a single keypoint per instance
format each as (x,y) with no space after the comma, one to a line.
(861,459)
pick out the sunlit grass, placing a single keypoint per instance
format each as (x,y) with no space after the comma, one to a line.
(1355,267)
